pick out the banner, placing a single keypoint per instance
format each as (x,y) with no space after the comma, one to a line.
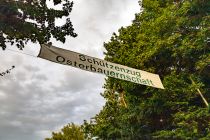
(96,65)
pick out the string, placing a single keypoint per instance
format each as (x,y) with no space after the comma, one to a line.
(21,53)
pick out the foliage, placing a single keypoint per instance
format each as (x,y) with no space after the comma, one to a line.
(194,124)
(170,38)
(32,20)
(68,132)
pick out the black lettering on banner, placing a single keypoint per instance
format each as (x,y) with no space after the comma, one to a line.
(144,82)
(128,77)
(117,75)
(117,68)
(87,67)
(60,59)
(150,82)
(100,70)
(95,62)
(138,80)
(106,72)
(131,72)
(138,74)
(81,66)
(75,63)
(68,62)
(122,75)
(128,71)
(107,65)
(133,79)
(122,69)
(112,74)
(102,63)
(92,68)
(82,57)
(111,66)
(89,60)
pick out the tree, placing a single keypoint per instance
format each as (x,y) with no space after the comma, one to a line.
(32,20)
(68,132)
(170,38)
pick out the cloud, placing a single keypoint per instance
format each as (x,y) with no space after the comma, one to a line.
(39,96)
(28,108)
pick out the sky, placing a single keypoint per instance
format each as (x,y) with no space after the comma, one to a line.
(39,96)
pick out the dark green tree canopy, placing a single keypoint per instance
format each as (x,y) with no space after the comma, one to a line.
(68,132)
(31,20)
(170,38)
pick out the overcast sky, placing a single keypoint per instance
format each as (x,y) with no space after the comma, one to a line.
(39,96)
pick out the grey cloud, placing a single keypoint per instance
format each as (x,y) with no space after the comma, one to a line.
(41,77)
(33,109)
(31,68)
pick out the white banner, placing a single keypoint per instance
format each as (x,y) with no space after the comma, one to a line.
(92,64)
